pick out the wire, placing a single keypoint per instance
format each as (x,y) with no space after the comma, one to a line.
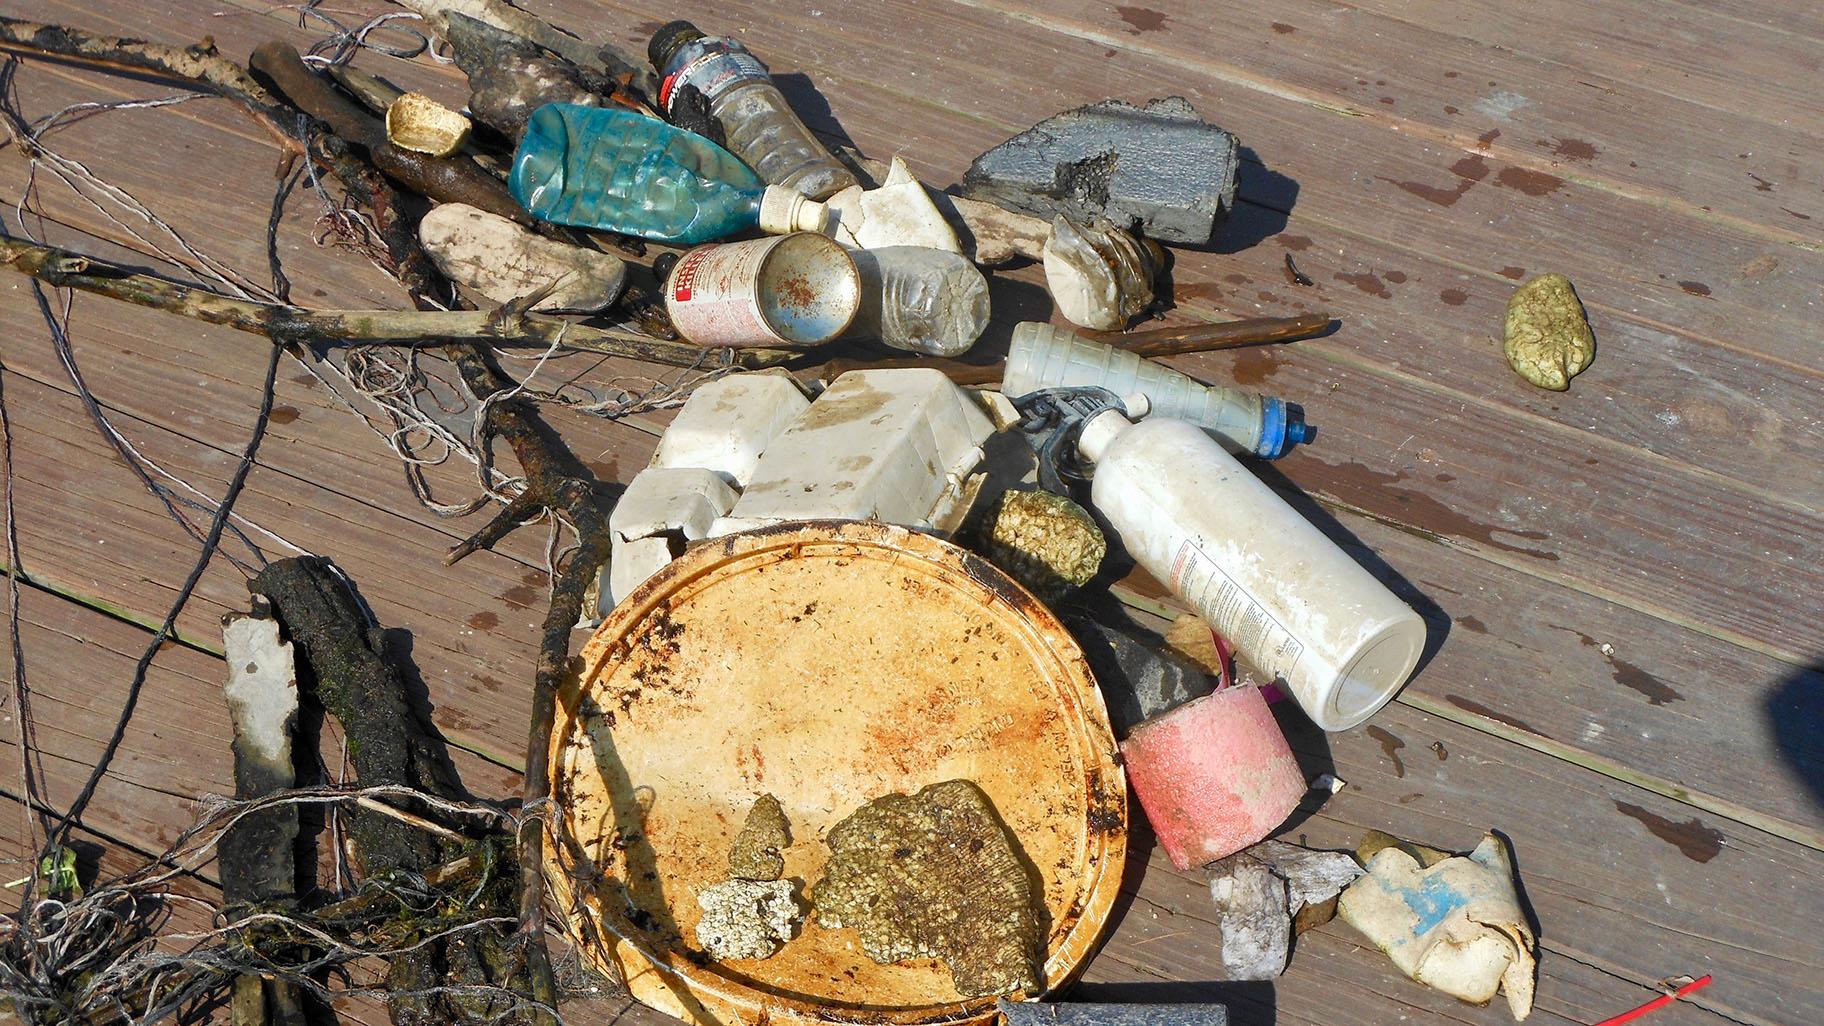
(1659,1002)
(216,526)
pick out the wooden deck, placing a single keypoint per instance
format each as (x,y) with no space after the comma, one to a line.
(1622,581)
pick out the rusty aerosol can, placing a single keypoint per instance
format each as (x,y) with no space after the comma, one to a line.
(791,290)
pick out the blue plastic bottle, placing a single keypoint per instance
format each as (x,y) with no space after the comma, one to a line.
(599,167)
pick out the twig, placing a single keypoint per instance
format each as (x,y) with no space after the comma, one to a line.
(297,325)
(444,179)
(1203,338)
(1193,338)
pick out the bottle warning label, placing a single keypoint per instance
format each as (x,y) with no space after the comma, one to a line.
(1233,612)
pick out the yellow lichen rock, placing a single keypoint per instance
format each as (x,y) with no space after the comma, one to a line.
(1548,337)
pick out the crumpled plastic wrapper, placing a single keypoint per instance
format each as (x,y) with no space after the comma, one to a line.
(1100,275)
(1548,337)
(1266,895)
(746,919)
(1454,924)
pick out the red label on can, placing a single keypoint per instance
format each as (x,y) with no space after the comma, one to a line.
(686,274)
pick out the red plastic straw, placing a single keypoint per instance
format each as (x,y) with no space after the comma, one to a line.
(1659,1002)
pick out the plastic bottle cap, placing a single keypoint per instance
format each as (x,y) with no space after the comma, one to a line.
(783,211)
(1100,430)
(666,42)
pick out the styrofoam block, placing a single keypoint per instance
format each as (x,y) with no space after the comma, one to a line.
(631,562)
(660,499)
(894,445)
(726,424)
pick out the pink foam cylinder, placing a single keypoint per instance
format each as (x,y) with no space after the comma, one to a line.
(1214,775)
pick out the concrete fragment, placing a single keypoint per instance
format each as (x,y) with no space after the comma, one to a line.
(1251,917)
(1160,165)
(1455,925)
(1260,895)
(935,875)
(1548,337)
(503,261)
(755,853)
(747,919)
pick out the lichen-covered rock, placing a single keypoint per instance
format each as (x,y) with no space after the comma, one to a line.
(1046,542)
(1548,337)
(935,875)
(745,919)
(755,855)
(502,261)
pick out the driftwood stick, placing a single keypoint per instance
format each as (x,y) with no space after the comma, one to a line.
(292,324)
(200,65)
(445,179)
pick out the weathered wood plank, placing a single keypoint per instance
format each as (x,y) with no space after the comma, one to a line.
(1765,72)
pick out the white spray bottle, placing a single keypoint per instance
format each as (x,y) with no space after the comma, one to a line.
(1286,596)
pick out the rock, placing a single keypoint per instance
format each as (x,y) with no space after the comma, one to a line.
(1046,542)
(1548,336)
(755,855)
(502,261)
(935,875)
(1140,679)
(418,123)
(746,919)
(1262,896)
(1161,165)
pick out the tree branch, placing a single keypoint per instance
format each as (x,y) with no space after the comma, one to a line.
(293,324)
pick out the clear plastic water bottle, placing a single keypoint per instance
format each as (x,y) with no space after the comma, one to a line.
(601,167)
(922,300)
(761,127)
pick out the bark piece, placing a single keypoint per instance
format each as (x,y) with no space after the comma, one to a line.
(510,76)
(257,861)
(935,875)
(1548,337)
